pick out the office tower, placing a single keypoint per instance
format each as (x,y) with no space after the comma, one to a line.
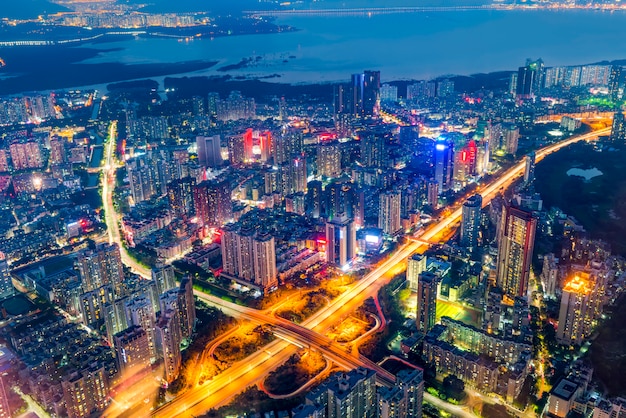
(346,395)
(6,357)
(168,339)
(287,145)
(26,155)
(373,149)
(180,196)
(186,307)
(314,199)
(470,221)
(511,139)
(140,312)
(340,199)
(341,243)
(426,301)
(530,79)
(101,266)
(516,240)
(209,151)
(615,79)
(618,130)
(329,160)
(249,256)
(405,398)
(132,350)
(445,88)
(6,283)
(388,93)
(85,391)
(356,95)
(371,93)
(581,307)
(444,163)
(529,168)
(416,265)
(389,219)
(163,277)
(213,203)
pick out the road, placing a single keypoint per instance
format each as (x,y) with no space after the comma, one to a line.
(310,334)
(110,214)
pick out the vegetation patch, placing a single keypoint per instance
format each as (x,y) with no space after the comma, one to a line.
(295,373)
(245,342)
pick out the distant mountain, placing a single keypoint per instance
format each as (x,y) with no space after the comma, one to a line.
(27,9)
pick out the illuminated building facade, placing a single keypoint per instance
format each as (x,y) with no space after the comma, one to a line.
(444,164)
(581,307)
(341,245)
(209,151)
(6,283)
(426,301)
(470,221)
(515,250)
(213,203)
(132,350)
(389,219)
(416,265)
(618,129)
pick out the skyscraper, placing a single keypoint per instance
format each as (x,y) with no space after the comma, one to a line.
(530,79)
(444,163)
(371,93)
(163,277)
(180,195)
(167,344)
(470,221)
(100,267)
(618,130)
(209,151)
(132,350)
(515,250)
(340,240)
(426,301)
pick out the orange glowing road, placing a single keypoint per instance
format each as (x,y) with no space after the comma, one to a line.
(252,369)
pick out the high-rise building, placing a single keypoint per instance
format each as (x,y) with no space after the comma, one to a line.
(530,79)
(213,203)
(26,155)
(132,350)
(445,88)
(85,391)
(329,160)
(511,139)
(373,149)
(140,312)
(444,163)
(581,307)
(314,199)
(6,283)
(180,196)
(249,256)
(515,250)
(341,198)
(287,145)
(292,176)
(416,265)
(341,242)
(101,266)
(388,93)
(163,277)
(550,275)
(470,221)
(209,151)
(346,395)
(389,219)
(404,399)
(529,168)
(615,80)
(433,193)
(371,93)
(618,130)
(168,338)
(426,301)
(186,307)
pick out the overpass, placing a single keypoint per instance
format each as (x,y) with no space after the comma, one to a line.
(218,392)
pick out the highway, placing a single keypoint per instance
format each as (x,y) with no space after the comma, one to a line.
(219,391)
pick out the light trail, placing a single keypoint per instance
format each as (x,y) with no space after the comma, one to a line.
(198,401)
